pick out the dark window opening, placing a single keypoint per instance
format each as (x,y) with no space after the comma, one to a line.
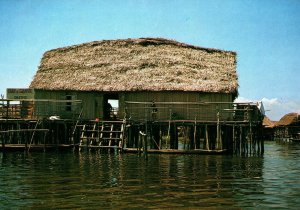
(68,104)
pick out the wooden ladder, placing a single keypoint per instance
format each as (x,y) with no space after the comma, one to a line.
(82,136)
(109,134)
(88,135)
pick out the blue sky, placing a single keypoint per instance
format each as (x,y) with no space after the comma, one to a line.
(264,33)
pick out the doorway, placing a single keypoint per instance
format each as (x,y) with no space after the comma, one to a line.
(110,106)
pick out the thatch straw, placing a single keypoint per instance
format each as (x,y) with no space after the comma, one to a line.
(267,123)
(289,119)
(145,64)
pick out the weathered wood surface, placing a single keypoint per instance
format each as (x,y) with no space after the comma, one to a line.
(176,151)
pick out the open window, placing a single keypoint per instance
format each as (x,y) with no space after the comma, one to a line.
(111,106)
(68,104)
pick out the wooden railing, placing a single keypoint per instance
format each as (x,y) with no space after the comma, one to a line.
(199,111)
(39,108)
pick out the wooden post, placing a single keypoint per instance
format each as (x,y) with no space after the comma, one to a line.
(155,136)
(57,134)
(3,136)
(32,136)
(143,136)
(173,136)
(18,134)
(240,140)
(262,143)
(45,141)
(7,108)
(258,137)
(195,130)
(26,140)
(198,136)
(220,138)
(191,136)
(218,130)
(136,135)
(252,144)
(168,136)
(139,144)
(160,137)
(169,128)
(66,139)
(184,136)
(206,137)
(233,139)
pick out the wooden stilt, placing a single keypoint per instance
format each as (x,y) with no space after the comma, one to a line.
(206,137)
(168,137)
(198,137)
(218,131)
(195,131)
(184,137)
(33,133)
(233,138)
(173,136)
(240,140)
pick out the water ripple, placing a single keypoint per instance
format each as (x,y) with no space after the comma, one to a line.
(95,181)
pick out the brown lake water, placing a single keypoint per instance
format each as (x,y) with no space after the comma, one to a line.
(90,180)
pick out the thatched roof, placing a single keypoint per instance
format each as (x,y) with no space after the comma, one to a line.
(267,123)
(145,64)
(289,119)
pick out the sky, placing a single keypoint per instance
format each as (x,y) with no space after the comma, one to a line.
(265,34)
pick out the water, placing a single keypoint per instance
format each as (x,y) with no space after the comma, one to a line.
(126,181)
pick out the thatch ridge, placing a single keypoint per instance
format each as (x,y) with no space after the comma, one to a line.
(288,119)
(144,64)
(267,123)
(143,41)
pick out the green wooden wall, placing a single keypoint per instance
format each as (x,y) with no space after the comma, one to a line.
(93,102)
(177,111)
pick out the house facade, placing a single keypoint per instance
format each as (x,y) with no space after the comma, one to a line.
(118,78)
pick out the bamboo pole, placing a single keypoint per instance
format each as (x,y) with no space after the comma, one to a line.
(240,140)
(206,137)
(195,130)
(233,139)
(33,133)
(218,130)
(169,128)
(139,144)
(199,134)
(143,136)
(45,141)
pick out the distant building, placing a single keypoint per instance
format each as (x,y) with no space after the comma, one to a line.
(268,129)
(288,127)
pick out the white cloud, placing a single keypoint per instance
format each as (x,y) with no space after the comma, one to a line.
(270,102)
(243,100)
(275,108)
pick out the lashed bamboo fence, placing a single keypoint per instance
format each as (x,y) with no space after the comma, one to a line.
(209,126)
(174,127)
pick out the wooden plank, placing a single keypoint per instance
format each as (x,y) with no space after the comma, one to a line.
(24,130)
(175,151)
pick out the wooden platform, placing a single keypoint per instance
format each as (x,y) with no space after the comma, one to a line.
(176,151)
(23,147)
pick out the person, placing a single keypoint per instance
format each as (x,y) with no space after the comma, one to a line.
(108,110)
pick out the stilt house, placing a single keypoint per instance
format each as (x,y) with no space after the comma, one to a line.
(288,127)
(144,79)
(145,93)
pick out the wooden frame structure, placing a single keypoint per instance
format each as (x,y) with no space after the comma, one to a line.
(235,129)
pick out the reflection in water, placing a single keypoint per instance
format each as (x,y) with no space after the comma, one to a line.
(94,180)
